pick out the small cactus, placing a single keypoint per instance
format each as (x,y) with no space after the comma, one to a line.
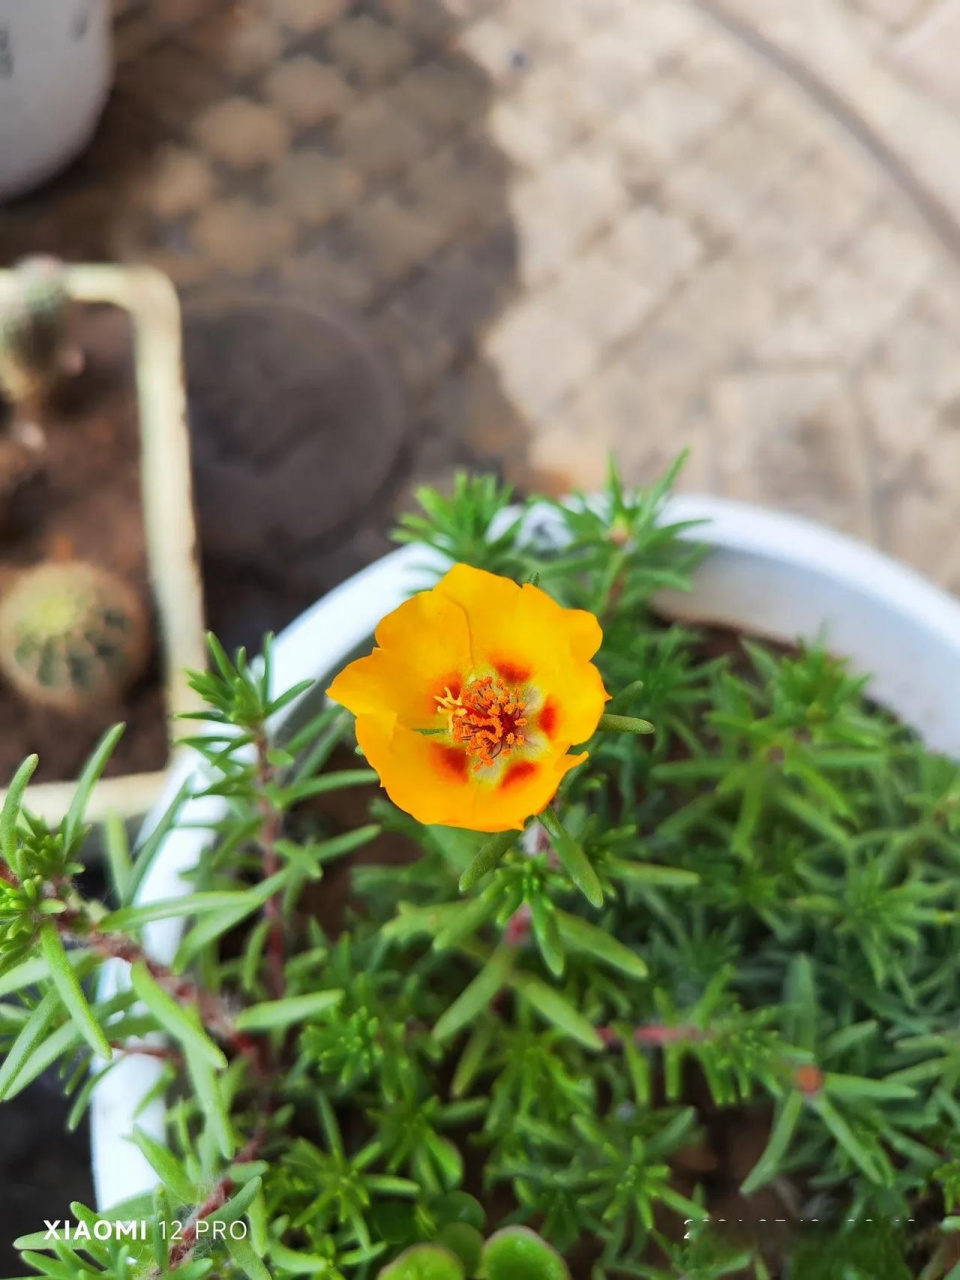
(35,344)
(44,289)
(72,636)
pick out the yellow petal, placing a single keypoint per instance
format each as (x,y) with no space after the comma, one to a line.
(519,631)
(385,682)
(526,787)
(422,776)
(425,648)
(434,782)
(571,711)
(430,630)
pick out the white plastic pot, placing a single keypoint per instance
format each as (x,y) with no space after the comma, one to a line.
(55,75)
(768,574)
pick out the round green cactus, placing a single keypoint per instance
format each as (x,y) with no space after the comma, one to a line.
(72,636)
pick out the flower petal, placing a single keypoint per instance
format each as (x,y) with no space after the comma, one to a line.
(425,648)
(514,629)
(526,787)
(571,712)
(431,631)
(382,683)
(425,777)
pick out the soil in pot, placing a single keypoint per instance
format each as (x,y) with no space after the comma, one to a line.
(83,502)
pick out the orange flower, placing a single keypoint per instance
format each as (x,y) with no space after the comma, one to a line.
(476,693)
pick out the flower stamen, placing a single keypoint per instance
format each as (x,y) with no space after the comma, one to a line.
(485,717)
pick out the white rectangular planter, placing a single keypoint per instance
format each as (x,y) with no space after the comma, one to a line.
(151,302)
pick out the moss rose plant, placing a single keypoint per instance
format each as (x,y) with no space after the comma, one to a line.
(696,1018)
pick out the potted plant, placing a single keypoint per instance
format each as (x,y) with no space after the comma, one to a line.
(100,597)
(613,1002)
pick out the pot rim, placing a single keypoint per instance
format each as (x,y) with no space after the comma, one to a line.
(768,573)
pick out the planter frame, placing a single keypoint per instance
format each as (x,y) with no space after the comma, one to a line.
(151,302)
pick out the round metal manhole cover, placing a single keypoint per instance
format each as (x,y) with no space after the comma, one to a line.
(297,423)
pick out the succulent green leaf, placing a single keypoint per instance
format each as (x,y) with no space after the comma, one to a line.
(11,811)
(71,993)
(88,780)
(476,996)
(788,1114)
(555,1007)
(183,1023)
(489,855)
(516,1253)
(574,860)
(272,1014)
(166,1166)
(424,1262)
(28,1040)
(244,1255)
(582,935)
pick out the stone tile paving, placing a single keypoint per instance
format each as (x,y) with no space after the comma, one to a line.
(633,225)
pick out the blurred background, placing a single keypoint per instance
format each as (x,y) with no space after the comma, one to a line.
(516,234)
(416,235)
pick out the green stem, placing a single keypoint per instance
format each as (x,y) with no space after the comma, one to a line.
(271,830)
(487,857)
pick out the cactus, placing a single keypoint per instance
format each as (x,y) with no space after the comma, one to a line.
(72,636)
(35,345)
(44,290)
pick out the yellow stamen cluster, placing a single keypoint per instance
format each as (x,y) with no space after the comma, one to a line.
(486,717)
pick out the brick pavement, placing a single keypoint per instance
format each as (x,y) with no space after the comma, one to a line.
(603,224)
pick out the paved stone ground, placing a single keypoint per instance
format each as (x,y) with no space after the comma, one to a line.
(581,226)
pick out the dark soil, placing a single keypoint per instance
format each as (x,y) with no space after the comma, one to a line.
(85,504)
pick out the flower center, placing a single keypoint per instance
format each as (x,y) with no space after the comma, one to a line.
(486,717)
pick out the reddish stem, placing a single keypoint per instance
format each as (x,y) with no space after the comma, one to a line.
(518,926)
(660,1035)
(213,1013)
(653,1033)
(148,1051)
(217,1198)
